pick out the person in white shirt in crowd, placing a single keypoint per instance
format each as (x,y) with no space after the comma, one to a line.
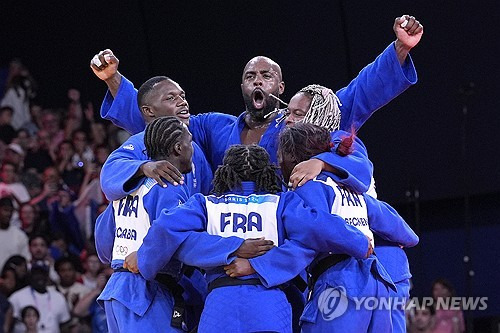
(13,240)
(50,303)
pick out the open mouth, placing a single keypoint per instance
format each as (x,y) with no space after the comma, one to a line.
(258,99)
(184,113)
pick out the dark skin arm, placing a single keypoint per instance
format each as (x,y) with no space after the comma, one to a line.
(158,170)
(250,248)
(307,170)
(105,66)
(253,247)
(239,267)
(408,35)
(242,267)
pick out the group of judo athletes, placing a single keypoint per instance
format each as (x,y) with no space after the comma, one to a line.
(123,181)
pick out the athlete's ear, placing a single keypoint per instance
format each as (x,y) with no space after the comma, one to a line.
(177,148)
(147,111)
(281,87)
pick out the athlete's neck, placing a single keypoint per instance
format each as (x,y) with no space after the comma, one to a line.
(254,123)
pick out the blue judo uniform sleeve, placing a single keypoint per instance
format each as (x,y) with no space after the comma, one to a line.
(275,267)
(356,168)
(375,86)
(117,174)
(303,224)
(386,222)
(172,228)
(104,232)
(123,110)
(308,230)
(121,165)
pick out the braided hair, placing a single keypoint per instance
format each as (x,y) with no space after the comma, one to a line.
(324,110)
(303,141)
(246,163)
(147,87)
(161,135)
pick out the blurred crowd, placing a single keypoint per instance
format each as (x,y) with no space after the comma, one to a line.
(50,196)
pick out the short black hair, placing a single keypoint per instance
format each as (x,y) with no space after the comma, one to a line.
(25,310)
(6,108)
(146,88)
(42,236)
(6,202)
(64,260)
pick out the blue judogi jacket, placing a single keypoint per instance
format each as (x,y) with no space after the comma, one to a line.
(123,163)
(236,216)
(376,85)
(319,194)
(120,230)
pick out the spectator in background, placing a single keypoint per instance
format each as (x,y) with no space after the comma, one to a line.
(39,156)
(62,220)
(33,182)
(8,281)
(5,312)
(50,121)
(30,317)
(3,146)
(40,255)
(73,119)
(15,154)
(421,318)
(52,183)
(93,267)
(13,240)
(447,320)
(98,134)
(49,302)
(35,123)
(88,306)
(83,151)
(71,289)
(23,139)
(21,88)
(10,184)
(59,248)
(101,154)
(19,265)
(7,132)
(31,224)
(89,198)
(71,171)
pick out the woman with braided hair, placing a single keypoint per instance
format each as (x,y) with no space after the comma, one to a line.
(314,104)
(132,303)
(247,203)
(318,105)
(332,192)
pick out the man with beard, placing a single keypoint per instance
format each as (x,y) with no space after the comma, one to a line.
(262,83)
(377,84)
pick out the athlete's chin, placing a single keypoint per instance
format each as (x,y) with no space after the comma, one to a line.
(257,114)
